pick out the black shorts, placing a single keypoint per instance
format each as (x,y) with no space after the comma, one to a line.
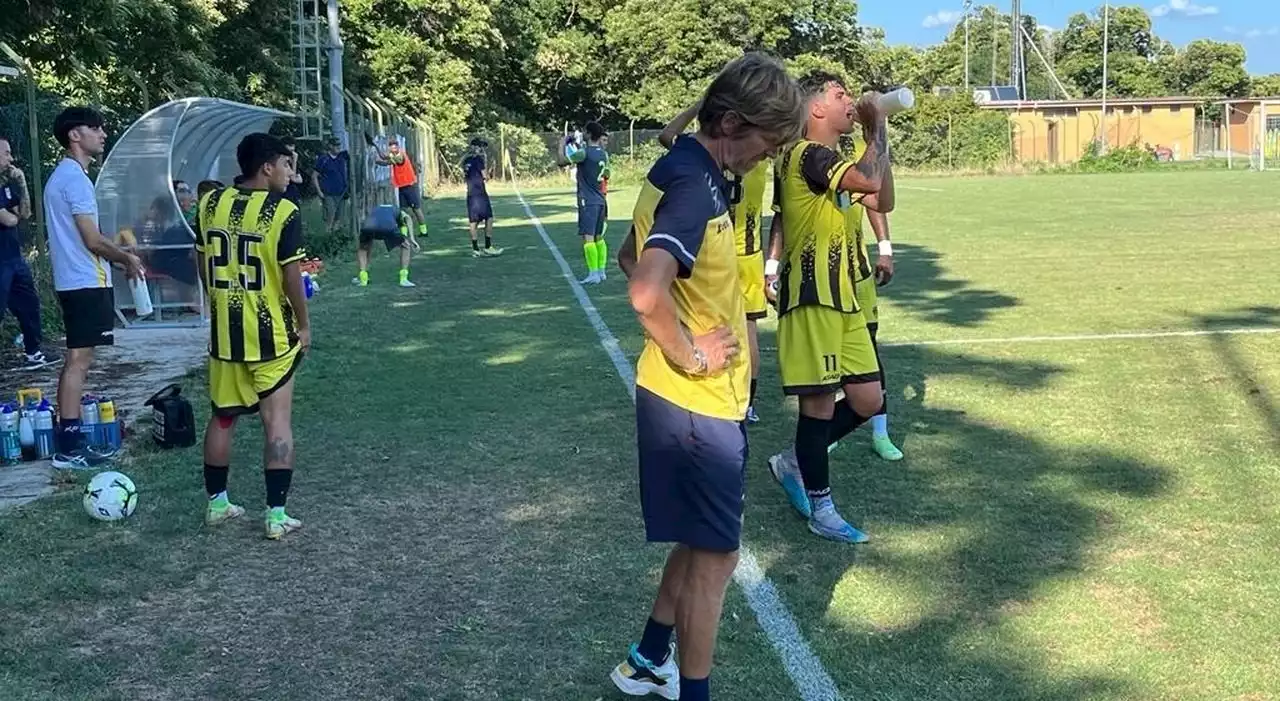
(393,239)
(692,475)
(592,217)
(89,316)
(478,207)
(410,197)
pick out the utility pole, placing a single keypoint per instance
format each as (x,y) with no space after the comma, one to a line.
(1015,50)
(1106,26)
(337,105)
(968,6)
(995,41)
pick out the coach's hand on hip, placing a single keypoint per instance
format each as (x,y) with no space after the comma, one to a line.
(719,347)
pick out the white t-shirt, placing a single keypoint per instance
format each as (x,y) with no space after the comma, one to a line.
(68,193)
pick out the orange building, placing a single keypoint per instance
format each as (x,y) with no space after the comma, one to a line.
(1252,129)
(1059,131)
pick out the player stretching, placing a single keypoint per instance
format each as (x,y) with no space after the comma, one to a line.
(479,209)
(823,342)
(593,209)
(691,382)
(250,243)
(746,202)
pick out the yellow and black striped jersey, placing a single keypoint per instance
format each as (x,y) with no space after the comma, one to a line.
(245,238)
(822,253)
(746,203)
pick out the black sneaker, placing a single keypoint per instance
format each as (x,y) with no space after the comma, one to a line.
(80,459)
(37,360)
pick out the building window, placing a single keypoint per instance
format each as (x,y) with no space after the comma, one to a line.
(1175,109)
(1146,109)
(1273,122)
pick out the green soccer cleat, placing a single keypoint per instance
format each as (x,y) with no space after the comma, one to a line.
(280,524)
(220,511)
(884,447)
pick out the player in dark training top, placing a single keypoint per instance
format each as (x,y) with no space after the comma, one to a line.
(249,240)
(479,209)
(593,206)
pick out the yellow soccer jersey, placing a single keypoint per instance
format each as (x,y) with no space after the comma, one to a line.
(745,207)
(823,255)
(683,209)
(246,237)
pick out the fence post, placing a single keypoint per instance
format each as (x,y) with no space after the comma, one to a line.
(502,149)
(631,151)
(950,151)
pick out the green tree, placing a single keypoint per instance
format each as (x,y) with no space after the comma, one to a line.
(1206,68)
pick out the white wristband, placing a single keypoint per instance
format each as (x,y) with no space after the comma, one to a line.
(885,247)
(771,267)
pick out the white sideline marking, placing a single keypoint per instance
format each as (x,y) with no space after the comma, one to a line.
(1071,337)
(915,187)
(807,673)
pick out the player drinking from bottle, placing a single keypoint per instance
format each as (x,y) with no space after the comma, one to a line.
(249,240)
(691,381)
(823,342)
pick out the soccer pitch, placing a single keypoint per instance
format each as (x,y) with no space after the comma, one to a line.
(1084,374)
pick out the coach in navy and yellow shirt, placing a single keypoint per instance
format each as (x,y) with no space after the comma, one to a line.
(683,209)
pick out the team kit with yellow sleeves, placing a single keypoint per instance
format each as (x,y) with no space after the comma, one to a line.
(246,237)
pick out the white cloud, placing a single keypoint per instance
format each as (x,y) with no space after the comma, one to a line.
(1185,8)
(943,18)
(1257,32)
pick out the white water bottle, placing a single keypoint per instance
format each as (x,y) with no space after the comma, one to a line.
(896,101)
(141,297)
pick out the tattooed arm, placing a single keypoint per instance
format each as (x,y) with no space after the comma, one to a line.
(872,174)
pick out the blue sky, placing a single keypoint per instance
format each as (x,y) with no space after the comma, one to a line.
(1254,23)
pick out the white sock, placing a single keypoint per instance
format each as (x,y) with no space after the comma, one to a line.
(880,425)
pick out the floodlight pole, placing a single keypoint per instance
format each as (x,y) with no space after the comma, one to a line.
(968,6)
(1106,26)
(337,106)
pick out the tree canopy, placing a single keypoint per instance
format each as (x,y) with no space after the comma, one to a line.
(468,64)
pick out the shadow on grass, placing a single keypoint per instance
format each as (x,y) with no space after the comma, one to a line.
(1242,375)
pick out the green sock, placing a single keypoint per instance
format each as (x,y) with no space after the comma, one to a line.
(219,501)
(364,277)
(404,274)
(602,255)
(422,229)
(589,252)
(276,514)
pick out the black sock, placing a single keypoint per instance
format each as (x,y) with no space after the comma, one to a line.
(69,436)
(884,398)
(844,421)
(811,454)
(753,391)
(277,486)
(695,689)
(475,244)
(215,479)
(656,641)
(488,242)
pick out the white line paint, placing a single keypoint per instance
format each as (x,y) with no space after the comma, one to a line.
(1136,335)
(921,189)
(807,673)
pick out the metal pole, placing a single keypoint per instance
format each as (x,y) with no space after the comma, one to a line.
(337,105)
(968,5)
(1106,26)
(1228,136)
(995,41)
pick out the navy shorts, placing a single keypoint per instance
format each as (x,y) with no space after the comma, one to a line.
(478,207)
(592,218)
(692,475)
(410,197)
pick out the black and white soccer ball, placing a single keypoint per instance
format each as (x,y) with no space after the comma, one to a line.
(110,496)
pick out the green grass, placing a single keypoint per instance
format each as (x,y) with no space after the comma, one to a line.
(1086,519)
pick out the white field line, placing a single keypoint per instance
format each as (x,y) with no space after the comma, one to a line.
(916,187)
(807,673)
(1134,335)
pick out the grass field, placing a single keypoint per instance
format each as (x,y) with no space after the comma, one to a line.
(1077,518)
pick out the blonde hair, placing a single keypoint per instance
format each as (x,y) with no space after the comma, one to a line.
(757,88)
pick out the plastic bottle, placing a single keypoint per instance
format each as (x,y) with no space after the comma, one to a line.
(44,430)
(89,420)
(108,424)
(27,432)
(10,443)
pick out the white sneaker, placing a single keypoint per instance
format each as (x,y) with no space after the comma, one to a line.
(829,524)
(637,676)
(592,278)
(600,274)
(407,283)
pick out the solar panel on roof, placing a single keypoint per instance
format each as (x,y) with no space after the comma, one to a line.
(1006,92)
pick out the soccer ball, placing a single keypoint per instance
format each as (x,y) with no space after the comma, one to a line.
(110,496)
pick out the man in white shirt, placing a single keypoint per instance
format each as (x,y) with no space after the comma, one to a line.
(81,259)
